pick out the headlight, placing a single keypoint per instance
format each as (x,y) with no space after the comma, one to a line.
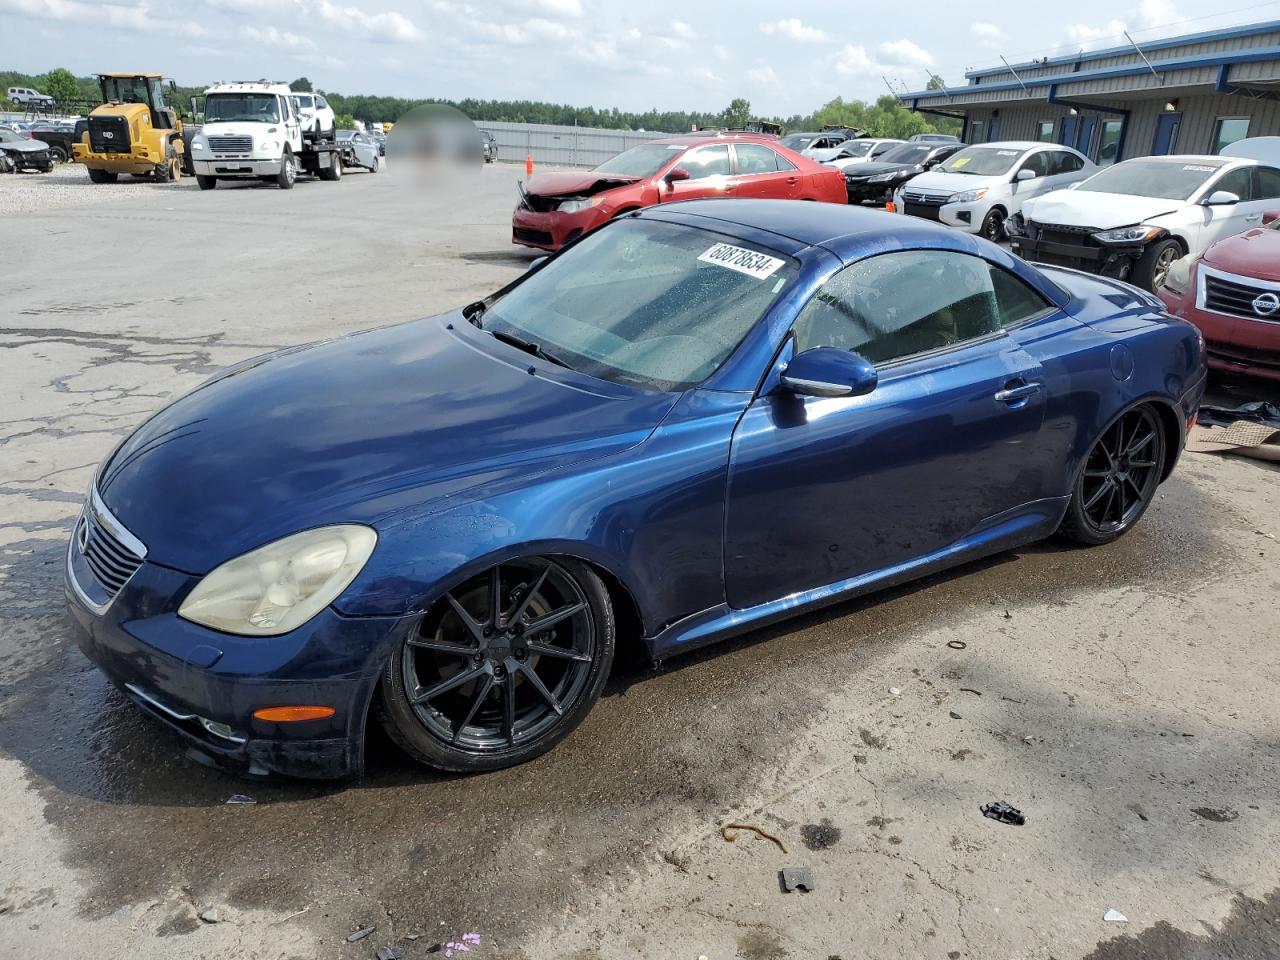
(197,143)
(573,206)
(279,587)
(968,196)
(1136,234)
(1178,279)
(881,178)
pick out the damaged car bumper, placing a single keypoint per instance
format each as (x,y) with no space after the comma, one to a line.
(552,229)
(208,686)
(1075,247)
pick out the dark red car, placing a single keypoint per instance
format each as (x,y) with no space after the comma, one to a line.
(557,208)
(1232,293)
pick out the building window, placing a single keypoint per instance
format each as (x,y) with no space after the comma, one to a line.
(1045,135)
(1109,144)
(1228,130)
(978,131)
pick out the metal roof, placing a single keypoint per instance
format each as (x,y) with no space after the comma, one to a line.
(126,75)
(1208,36)
(1129,70)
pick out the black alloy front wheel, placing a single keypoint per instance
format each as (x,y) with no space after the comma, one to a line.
(502,667)
(1118,479)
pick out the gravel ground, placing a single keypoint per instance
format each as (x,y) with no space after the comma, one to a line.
(68,185)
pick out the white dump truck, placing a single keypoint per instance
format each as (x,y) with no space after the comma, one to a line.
(252,130)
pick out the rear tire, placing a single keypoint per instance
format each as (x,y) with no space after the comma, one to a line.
(334,170)
(103,176)
(206,183)
(1118,478)
(525,690)
(288,171)
(376,165)
(60,153)
(1152,267)
(171,170)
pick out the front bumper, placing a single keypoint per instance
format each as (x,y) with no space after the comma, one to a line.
(1233,344)
(962,216)
(551,230)
(862,191)
(1075,249)
(41,160)
(236,168)
(140,162)
(205,685)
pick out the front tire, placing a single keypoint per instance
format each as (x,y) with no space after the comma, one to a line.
(1118,479)
(103,176)
(288,171)
(993,225)
(1152,268)
(502,667)
(206,183)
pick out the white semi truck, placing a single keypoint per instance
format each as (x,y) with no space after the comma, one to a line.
(252,130)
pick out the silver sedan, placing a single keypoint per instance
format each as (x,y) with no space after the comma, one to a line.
(358,150)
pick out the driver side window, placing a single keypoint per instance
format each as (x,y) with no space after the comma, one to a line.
(900,304)
(707,162)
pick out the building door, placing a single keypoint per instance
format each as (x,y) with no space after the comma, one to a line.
(993,133)
(1067,135)
(1084,135)
(1166,139)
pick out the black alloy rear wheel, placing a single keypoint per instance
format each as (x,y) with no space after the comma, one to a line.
(502,667)
(1118,478)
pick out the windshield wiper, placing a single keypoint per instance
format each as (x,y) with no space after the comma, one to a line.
(528,346)
(473,312)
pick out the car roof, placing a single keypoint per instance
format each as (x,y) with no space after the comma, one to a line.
(697,140)
(1018,145)
(126,74)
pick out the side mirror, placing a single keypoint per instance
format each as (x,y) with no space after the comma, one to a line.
(1221,198)
(1025,174)
(829,372)
(1270,217)
(676,173)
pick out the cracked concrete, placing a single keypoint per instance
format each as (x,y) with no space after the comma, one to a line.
(1123,698)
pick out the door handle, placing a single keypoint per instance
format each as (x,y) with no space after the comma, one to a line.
(1013,394)
(1252,217)
(792,181)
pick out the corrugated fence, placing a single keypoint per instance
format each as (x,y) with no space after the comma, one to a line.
(569,146)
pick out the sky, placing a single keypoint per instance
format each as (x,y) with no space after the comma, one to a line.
(786,59)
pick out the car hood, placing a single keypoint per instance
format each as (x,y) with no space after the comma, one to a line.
(573,182)
(357,430)
(942,182)
(822,154)
(1105,211)
(872,169)
(23,146)
(1255,253)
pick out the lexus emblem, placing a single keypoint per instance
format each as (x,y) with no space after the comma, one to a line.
(82,535)
(1265,304)
(107,134)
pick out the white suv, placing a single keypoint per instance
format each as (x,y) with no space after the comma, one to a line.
(316,115)
(978,188)
(29,97)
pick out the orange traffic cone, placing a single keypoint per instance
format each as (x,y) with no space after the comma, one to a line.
(890,208)
(528,164)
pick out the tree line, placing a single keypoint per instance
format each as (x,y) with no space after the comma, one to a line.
(884,118)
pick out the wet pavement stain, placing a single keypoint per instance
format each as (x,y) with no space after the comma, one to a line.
(819,836)
(1216,814)
(682,744)
(1250,932)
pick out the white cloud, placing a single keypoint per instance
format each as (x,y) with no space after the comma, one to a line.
(554,8)
(682,30)
(793,28)
(1150,16)
(1158,13)
(1084,35)
(988,34)
(275,37)
(763,75)
(721,53)
(852,61)
(388,25)
(133,16)
(904,53)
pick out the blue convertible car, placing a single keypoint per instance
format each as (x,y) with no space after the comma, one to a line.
(698,419)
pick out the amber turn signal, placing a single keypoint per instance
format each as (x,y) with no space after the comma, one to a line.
(293,714)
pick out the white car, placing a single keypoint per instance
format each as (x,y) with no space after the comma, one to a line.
(28,97)
(978,188)
(1134,219)
(359,150)
(852,152)
(316,115)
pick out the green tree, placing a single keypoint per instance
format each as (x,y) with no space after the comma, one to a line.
(60,84)
(936,83)
(736,114)
(301,85)
(344,121)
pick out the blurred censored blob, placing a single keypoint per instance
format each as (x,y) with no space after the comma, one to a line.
(434,146)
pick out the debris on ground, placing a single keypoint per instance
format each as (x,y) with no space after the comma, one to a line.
(971,690)
(796,878)
(894,691)
(730,832)
(360,934)
(956,716)
(210,915)
(237,799)
(1115,916)
(956,644)
(820,836)
(389,953)
(1004,812)
(462,945)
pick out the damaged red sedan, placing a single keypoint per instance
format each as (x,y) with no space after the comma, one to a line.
(557,208)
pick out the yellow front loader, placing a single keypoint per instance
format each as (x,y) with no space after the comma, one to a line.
(132,131)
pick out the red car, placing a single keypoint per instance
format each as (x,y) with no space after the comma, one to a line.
(557,208)
(1232,293)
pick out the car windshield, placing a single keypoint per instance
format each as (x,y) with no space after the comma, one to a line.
(981,161)
(1161,179)
(907,153)
(8,136)
(642,161)
(797,141)
(307,102)
(645,303)
(856,148)
(225,107)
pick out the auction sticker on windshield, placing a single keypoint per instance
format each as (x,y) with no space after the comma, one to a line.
(746,261)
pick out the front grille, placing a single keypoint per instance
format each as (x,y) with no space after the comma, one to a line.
(541,204)
(231,146)
(531,236)
(109,135)
(1236,299)
(1243,356)
(110,561)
